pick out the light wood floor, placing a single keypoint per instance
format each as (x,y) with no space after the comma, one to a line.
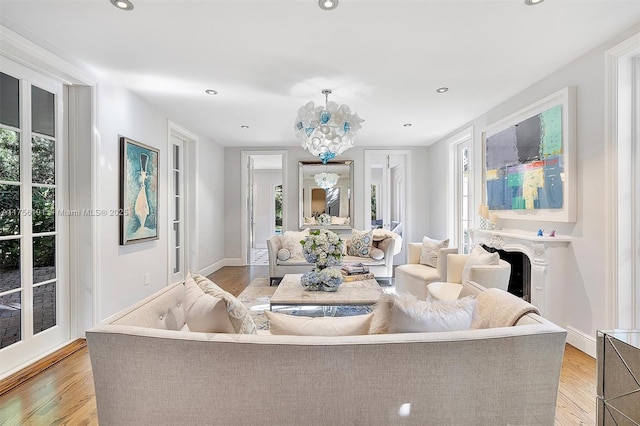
(64,394)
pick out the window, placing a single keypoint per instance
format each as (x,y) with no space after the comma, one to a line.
(461,190)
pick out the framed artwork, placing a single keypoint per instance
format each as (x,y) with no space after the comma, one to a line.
(529,161)
(138,192)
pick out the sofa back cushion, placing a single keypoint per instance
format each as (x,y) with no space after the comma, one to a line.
(162,311)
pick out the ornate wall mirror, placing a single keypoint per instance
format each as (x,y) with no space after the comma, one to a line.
(326,195)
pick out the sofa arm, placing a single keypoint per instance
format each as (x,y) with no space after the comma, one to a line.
(443,256)
(387,246)
(413,252)
(274,244)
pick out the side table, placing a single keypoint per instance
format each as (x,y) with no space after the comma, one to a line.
(618,387)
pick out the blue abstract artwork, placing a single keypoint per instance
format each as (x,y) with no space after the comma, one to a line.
(525,164)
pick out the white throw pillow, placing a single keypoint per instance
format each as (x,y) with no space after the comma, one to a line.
(430,250)
(291,241)
(238,314)
(205,313)
(404,313)
(320,326)
(284,254)
(478,256)
(376,253)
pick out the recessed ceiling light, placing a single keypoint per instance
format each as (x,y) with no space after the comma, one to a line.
(211,92)
(328,4)
(532,2)
(442,89)
(244,126)
(407,124)
(122,4)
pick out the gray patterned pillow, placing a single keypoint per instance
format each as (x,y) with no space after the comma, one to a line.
(430,249)
(238,313)
(361,242)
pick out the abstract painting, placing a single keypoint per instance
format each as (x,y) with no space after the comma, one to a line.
(138,192)
(526,162)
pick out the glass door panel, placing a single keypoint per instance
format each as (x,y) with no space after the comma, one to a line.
(34,307)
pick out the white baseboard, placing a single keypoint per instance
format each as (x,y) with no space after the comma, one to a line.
(233,262)
(581,341)
(212,268)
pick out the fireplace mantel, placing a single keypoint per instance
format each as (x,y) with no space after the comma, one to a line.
(548,259)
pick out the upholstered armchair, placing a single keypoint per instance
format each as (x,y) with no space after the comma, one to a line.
(413,276)
(486,275)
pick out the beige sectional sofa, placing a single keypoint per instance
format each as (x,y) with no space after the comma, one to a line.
(382,268)
(150,370)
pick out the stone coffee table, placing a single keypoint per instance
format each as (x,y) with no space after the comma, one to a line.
(291,293)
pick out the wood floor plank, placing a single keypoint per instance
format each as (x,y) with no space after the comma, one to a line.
(64,393)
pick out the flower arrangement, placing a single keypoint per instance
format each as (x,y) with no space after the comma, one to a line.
(327,279)
(324,219)
(324,248)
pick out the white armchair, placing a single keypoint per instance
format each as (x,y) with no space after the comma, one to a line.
(486,275)
(413,277)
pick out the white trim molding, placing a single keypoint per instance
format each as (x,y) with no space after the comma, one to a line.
(581,341)
(618,142)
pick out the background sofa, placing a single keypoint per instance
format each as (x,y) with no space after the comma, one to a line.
(379,268)
(149,372)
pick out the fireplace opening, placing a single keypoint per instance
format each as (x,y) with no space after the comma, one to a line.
(520,279)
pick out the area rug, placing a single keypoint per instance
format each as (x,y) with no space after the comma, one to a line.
(258,293)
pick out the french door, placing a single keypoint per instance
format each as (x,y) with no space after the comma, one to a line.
(34,287)
(177,211)
(385,192)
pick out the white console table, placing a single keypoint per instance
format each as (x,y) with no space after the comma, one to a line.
(548,260)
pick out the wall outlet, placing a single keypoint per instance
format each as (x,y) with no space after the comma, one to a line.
(147,279)
(206,251)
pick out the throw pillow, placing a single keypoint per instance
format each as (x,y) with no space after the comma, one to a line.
(430,250)
(205,313)
(321,326)
(284,254)
(291,241)
(478,256)
(404,313)
(376,253)
(237,312)
(361,242)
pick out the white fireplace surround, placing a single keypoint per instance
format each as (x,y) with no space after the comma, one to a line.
(548,259)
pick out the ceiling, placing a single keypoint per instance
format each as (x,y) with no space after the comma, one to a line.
(266,58)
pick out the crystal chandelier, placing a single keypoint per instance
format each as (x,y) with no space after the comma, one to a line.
(326,131)
(326,180)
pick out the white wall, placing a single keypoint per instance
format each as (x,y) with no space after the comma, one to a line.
(121,269)
(583,292)
(210,206)
(234,204)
